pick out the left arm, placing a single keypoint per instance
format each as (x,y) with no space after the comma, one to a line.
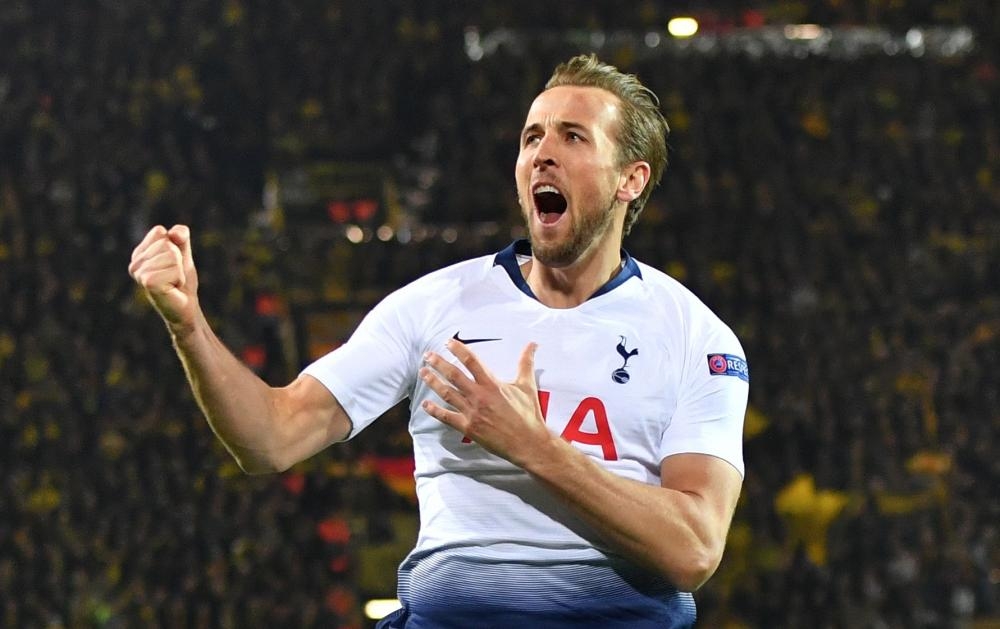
(678,529)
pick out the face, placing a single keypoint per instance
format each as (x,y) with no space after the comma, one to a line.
(568,175)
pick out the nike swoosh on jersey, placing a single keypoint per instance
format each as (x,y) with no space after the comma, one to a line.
(471,341)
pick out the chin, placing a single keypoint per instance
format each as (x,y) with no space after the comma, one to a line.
(557,254)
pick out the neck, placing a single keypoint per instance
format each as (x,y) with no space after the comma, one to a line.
(570,286)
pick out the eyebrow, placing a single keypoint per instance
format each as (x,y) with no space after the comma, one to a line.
(562,125)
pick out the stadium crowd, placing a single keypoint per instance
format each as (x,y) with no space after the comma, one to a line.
(842,214)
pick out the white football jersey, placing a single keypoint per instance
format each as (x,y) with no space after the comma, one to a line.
(640,371)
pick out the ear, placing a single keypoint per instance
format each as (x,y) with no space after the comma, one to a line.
(632,181)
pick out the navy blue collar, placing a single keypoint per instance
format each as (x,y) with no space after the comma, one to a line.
(508,260)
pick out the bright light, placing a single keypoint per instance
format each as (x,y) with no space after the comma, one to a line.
(354,233)
(803,31)
(379,608)
(682,26)
(384,233)
(473,47)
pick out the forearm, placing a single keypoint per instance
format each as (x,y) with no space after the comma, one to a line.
(266,429)
(672,532)
(239,406)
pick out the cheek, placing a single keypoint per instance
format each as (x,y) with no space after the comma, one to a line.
(522,166)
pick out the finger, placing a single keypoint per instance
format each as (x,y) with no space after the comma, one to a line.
(452,418)
(160,281)
(526,365)
(155,233)
(468,358)
(180,235)
(162,270)
(448,371)
(451,396)
(157,254)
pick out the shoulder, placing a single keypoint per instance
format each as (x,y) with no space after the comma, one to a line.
(679,303)
(448,280)
(702,333)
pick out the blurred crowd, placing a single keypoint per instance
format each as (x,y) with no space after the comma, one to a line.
(842,214)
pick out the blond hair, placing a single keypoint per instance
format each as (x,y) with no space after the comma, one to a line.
(642,132)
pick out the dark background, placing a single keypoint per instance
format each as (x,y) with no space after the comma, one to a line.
(838,204)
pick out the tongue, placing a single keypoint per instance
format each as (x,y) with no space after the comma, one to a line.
(548,218)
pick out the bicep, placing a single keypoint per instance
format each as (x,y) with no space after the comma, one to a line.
(712,483)
(310,419)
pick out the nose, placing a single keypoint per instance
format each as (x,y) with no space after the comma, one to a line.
(544,154)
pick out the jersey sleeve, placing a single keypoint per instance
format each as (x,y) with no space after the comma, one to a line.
(376,367)
(712,400)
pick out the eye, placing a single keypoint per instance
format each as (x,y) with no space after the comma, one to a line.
(573,136)
(531,138)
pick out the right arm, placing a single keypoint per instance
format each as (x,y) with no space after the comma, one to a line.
(266,429)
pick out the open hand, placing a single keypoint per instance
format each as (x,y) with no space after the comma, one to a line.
(505,418)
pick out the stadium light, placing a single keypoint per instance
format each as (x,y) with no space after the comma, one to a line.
(384,233)
(379,608)
(803,31)
(682,26)
(355,234)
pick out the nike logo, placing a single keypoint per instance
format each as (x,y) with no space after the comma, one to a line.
(471,341)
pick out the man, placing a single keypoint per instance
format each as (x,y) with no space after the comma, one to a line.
(576,415)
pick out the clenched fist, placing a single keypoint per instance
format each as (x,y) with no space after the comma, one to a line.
(163,265)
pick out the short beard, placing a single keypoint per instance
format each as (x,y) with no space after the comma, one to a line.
(583,236)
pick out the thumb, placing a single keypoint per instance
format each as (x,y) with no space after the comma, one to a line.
(180,235)
(526,366)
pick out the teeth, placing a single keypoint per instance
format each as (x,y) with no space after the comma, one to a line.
(546,188)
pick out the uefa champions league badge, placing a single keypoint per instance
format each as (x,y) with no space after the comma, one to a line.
(728,365)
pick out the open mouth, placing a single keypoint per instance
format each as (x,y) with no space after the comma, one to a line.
(550,203)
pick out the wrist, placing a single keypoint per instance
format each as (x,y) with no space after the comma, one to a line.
(549,452)
(182,331)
